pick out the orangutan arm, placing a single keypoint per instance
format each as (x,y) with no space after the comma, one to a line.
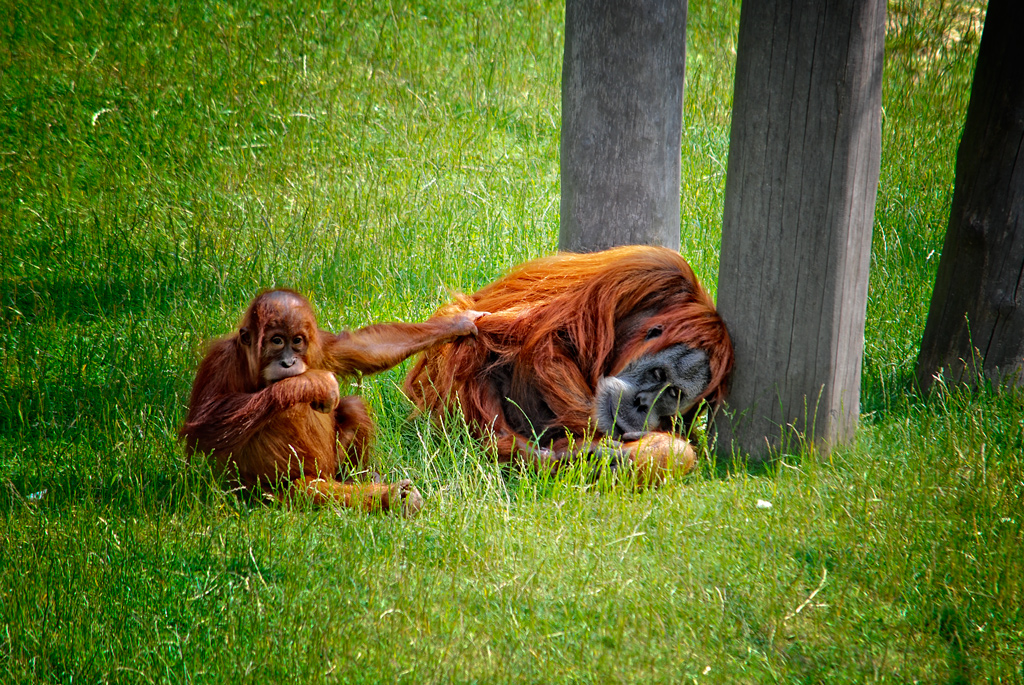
(222,418)
(381,346)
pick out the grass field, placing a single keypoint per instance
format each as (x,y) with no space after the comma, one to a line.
(160,163)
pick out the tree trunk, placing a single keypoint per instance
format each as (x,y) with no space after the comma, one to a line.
(975,325)
(622,109)
(799,205)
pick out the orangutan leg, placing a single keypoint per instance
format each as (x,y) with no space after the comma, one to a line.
(402,496)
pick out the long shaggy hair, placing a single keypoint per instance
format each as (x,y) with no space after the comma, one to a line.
(555,327)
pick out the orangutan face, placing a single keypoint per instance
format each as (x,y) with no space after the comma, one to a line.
(651,390)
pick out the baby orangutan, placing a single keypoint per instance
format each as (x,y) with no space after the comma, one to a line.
(266,408)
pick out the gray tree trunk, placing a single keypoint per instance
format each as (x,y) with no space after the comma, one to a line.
(622,110)
(799,205)
(975,325)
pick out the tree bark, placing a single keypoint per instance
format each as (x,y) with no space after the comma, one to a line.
(799,205)
(622,109)
(975,327)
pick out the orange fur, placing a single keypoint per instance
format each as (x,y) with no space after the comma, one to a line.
(557,325)
(298,428)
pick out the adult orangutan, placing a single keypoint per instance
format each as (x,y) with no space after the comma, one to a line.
(266,408)
(583,355)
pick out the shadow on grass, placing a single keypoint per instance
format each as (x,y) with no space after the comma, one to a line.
(162,483)
(71,300)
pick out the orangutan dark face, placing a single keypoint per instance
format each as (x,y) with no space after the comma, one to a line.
(651,391)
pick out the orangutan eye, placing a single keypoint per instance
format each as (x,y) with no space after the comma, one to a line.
(656,375)
(297,341)
(277,340)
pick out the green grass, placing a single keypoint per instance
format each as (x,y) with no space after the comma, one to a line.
(162,162)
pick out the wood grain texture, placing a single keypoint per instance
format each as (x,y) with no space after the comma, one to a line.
(622,107)
(799,204)
(975,326)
